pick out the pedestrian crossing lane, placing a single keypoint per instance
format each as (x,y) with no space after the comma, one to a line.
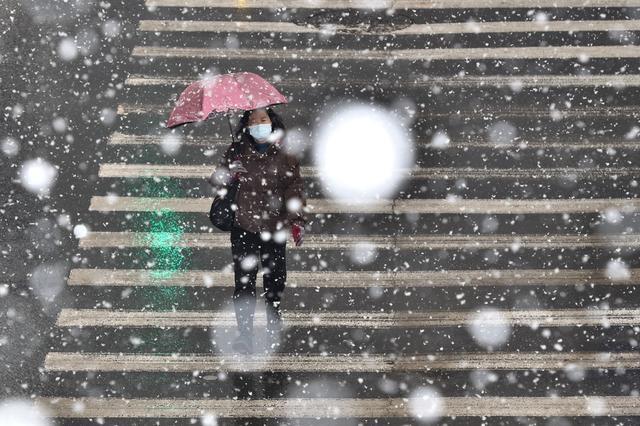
(109,275)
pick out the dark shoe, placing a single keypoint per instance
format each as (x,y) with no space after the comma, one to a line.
(243,344)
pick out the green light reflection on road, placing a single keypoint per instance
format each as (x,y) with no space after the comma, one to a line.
(163,229)
(165,234)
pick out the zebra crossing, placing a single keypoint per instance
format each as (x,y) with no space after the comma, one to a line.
(324,206)
(333,241)
(61,361)
(203,172)
(118,139)
(501,282)
(341,408)
(557,52)
(355,279)
(619,80)
(396,4)
(356,319)
(632,111)
(415,29)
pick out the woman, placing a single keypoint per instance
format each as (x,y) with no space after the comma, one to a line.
(270,199)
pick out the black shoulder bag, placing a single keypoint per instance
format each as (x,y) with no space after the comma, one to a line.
(223,208)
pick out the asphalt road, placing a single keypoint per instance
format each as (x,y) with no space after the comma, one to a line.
(61,70)
(497,286)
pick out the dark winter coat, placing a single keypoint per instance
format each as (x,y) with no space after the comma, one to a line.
(272,178)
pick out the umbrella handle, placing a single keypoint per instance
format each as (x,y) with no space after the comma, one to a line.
(233,138)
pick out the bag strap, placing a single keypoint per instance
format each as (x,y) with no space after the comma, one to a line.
(236,151)
(234,154)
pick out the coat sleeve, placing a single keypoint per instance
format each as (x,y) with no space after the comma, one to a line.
(221,176)
(294,197)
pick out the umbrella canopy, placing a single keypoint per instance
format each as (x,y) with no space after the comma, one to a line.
(221,94)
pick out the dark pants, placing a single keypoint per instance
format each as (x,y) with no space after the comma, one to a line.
(249,253)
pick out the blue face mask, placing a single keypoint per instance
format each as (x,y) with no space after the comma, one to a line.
(260,131)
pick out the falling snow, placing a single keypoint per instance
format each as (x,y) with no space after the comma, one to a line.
(470,182)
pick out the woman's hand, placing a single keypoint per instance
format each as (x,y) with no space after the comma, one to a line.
(297,232)
(236,168)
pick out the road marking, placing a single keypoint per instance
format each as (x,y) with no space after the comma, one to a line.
(511,206)
(547,143)
(114,203)
(371,408)
(65,361)
(183,171)
(330,279)
(202,205)
(470,53)
(472,406)
(340,242)
(357,279)
(221,240)
(511,111)
(393,4)
(486,406)
(355,319)
(607,80)
(118,138)
(414,29)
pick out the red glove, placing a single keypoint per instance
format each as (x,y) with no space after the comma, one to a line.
(298,234)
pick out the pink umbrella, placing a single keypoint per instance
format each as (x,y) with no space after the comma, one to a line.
(222,93)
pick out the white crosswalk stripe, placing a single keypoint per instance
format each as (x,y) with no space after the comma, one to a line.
(486,81)
(118,138)
(338,242)
(125,170)
(62,361)
(516,112)
(433,54)
(419,206)
(356,279)
(363,319)
(396,4)
(574,406)
(414,29)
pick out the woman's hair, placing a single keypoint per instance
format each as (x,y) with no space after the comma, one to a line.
(276,122)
